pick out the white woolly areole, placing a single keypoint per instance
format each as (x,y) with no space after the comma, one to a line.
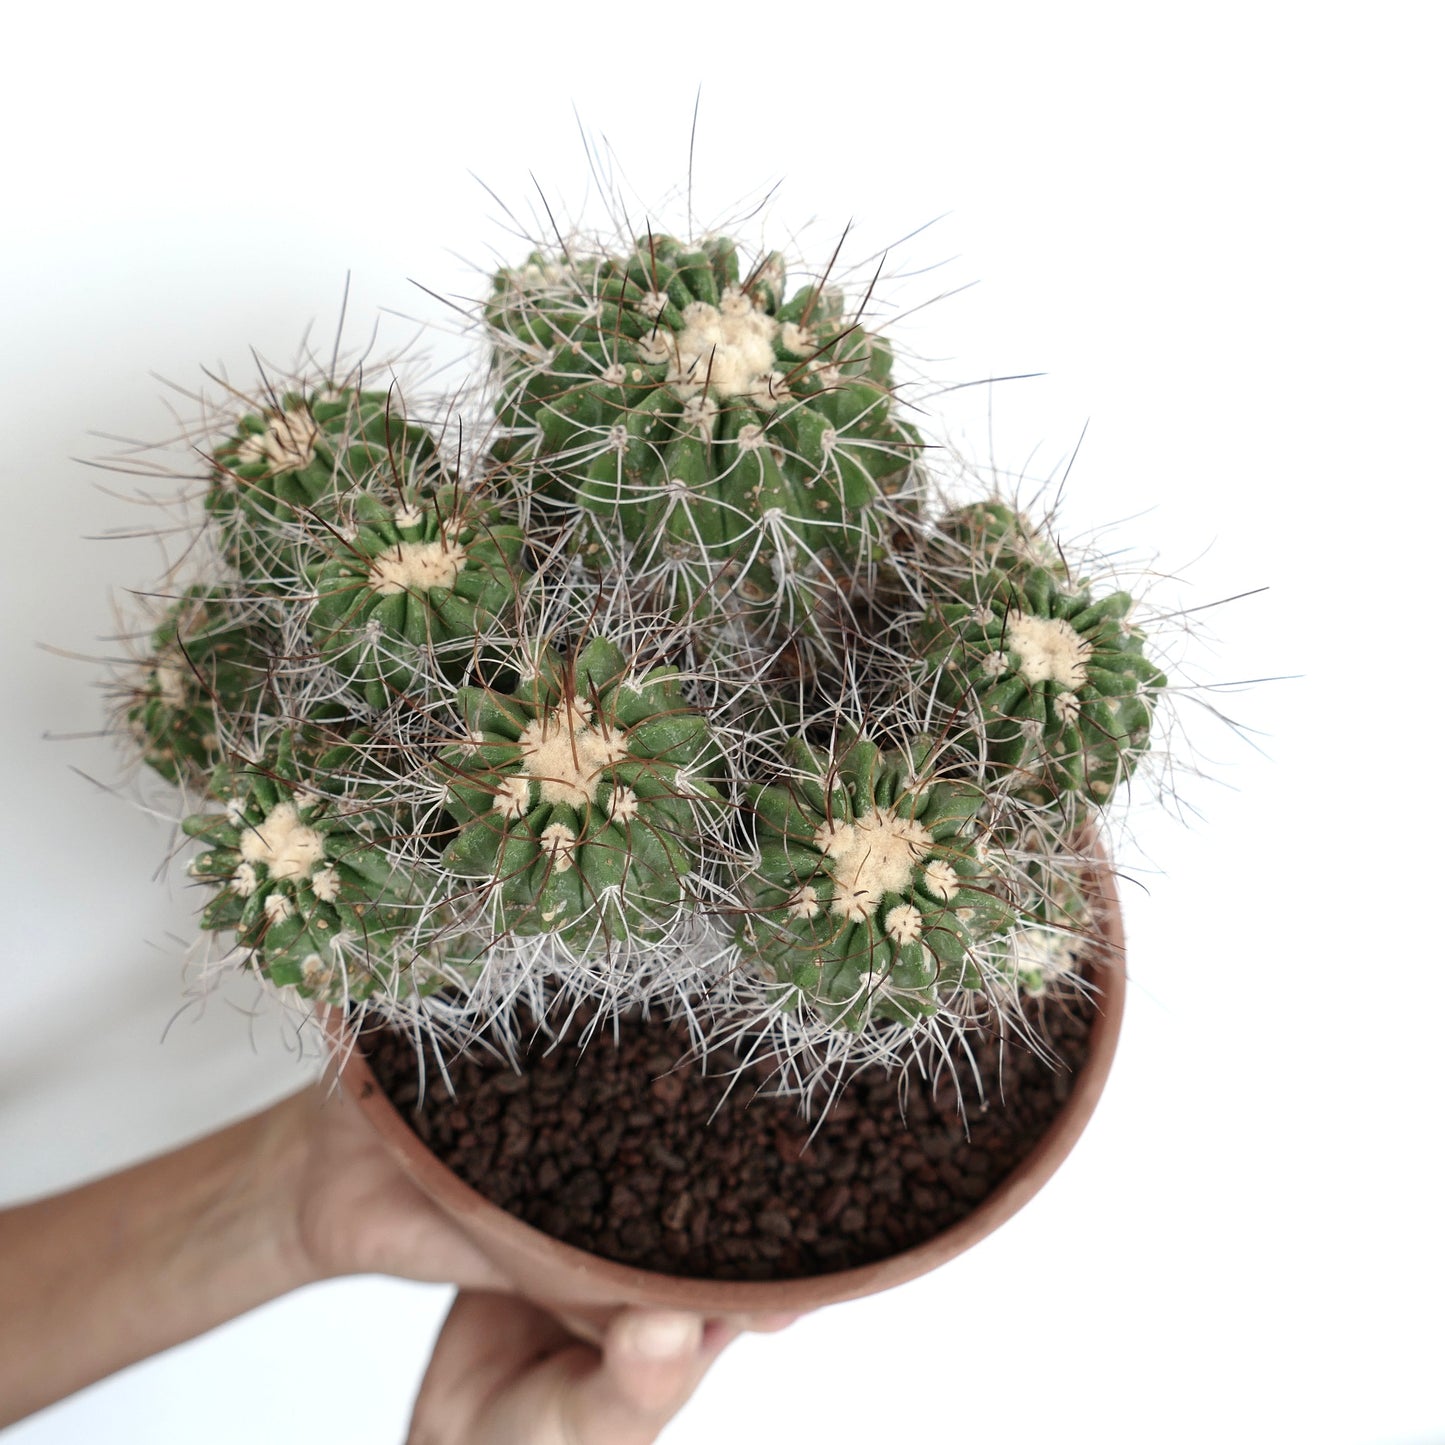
(624,805)
(735,303)
(652,304)
(1048,650)
(244,880)
(287,847)
(558,841)
(278,907)
(287,445)
(772,389)
(408,516)
(511,800)
(941,879)
(566,754)
(804,903)
(653,348)
(874,855)
(796,339)
(415,566)
(903,923)
(730,349)
(700,412)
(326,884)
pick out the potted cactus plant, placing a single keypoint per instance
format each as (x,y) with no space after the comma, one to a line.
(659,695)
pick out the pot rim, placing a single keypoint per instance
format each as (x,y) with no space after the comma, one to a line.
(605,1279)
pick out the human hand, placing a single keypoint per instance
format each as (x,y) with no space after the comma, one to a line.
(356,1211)
(133,1263)
(505,1370)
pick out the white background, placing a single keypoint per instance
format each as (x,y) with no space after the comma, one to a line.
(1215,230)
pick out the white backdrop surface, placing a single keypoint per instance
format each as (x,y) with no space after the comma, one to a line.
(1216,232)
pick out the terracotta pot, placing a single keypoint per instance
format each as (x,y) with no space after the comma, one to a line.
(589,1290)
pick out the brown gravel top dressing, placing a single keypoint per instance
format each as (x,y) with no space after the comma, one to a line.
(625,1153)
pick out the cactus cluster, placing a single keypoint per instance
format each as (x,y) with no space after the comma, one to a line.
(660,667)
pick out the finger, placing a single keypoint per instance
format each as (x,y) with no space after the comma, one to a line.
(652,1361)
(424,1243)
(487,1344)
(360,1212)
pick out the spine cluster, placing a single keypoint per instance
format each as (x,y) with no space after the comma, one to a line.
(661,669)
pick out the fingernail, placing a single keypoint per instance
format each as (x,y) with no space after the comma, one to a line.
(663,1335)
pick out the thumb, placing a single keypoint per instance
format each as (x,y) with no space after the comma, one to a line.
(652,1361)
(505,1372)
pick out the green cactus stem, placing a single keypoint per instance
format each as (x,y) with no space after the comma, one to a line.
(871,898)
(993,536)
(414,588)
(584,796)
(291,461)
(718,437)
(206,668)
(1058,680)
(301,881)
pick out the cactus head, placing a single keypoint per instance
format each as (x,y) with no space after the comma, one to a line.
(721,441)
(583,797)
(301,877)
(1057,680)
(207,668)
(872,899)
(414,589)
(992,536)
